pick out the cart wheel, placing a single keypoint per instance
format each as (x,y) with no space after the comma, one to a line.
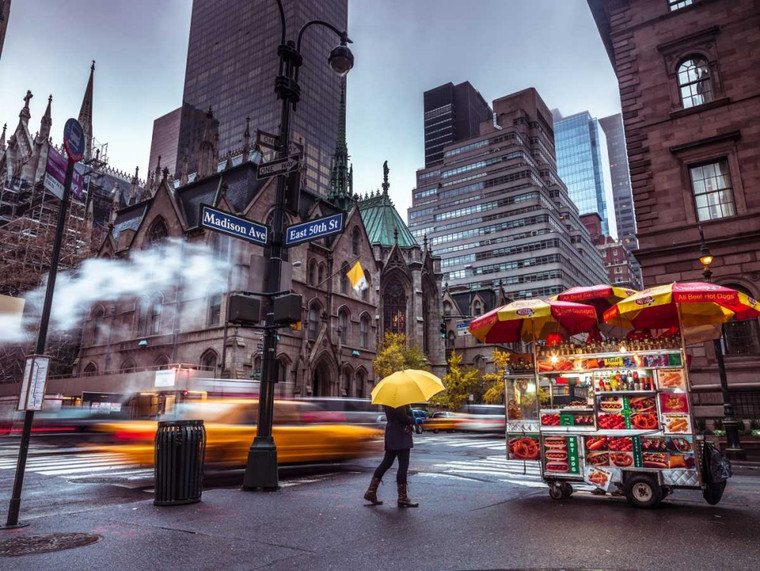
(567,490)
(713,493)
(556,492)
(643,491)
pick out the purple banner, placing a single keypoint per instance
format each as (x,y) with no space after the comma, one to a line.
(55,176)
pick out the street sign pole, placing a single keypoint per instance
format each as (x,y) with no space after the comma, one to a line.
(18,482)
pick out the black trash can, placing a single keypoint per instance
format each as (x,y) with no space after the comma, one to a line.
(180,451)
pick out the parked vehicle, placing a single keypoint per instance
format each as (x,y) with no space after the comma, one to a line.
(420,416)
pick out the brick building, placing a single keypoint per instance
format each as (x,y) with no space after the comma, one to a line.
(616,257)
(690,95)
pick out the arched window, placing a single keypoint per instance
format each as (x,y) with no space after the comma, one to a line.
(209,360)
(127,366)
(91,369)
(344,319)
(344,283)
(157,232)
(364,332)
(345,383)
(450,341)
(312,273)
(394,308)
(356,241)
(313,328)
(447,308)
(282,370)
(694,82)
(480,363)
(256,368)
(365,291)
(477,308)
(149,315)
(162,362)
(98,325)
(215,309)
(321,274)
(361,384)
(742,337)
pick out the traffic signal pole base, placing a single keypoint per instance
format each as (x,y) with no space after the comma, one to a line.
(261,469)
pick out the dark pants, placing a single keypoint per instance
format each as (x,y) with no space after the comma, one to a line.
(403,464)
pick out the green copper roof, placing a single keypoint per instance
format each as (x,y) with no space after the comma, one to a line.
(382,221)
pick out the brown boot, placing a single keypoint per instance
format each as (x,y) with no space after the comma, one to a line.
(371,494)
(403,498)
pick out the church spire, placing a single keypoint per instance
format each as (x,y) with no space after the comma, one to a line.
(247,140)
(85,115)
(2,138)
(46,122)
(207,149)
(25,114)
(386,184)
(339,190)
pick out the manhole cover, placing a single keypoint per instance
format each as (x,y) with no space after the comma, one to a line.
(31,544)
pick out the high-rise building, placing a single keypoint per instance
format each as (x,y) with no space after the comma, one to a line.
(496,212)
(620,180)
(579,163)
(232,63)
(690,97)
(452,113)
(5,12)
(164,141)
(622,269)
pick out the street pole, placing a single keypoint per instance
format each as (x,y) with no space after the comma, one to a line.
(734,449)
(18,482)
(261,467)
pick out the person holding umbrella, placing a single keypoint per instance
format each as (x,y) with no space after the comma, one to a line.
(396,392)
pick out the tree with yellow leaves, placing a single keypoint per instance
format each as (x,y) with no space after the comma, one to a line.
(494,394)
(460,383)
(393,355)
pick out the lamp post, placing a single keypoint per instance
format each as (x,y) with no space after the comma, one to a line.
(261,468)
(731,426)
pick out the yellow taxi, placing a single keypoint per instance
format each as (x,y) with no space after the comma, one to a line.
(442,421)
(303,433)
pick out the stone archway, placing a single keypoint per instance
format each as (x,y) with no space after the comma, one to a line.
(323,378)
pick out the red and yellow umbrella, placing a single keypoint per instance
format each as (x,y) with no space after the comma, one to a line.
(602,296)
(697,303)
(531,319)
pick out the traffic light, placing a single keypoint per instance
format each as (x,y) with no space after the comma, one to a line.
(443,330)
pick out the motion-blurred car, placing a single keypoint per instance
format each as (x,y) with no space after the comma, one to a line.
(351,410)
(442,421)
(420,416)
(483,418)
(300,432)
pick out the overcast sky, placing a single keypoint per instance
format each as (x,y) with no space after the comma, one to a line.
(402,48)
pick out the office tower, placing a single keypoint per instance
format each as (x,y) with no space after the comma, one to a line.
(164,141)
(232,63)
(620,180)
(579,163)
(622,268)
(5,12)
(496,212)
(452,113)
(689,87)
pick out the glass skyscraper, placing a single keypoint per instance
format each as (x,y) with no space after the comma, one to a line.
(231,67)
(579,163)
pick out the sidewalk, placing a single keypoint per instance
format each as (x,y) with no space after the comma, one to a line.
(461,524)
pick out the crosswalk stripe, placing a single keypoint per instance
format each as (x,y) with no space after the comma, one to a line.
(77,470)
(139,473)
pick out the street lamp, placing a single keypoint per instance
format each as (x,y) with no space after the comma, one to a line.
(261,468)
(730,424)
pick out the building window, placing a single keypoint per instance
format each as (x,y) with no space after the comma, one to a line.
(674,5)
(157,232)
(365,291)
(343,323)
(713,195)
(162,362)
(128,366)
(742,337)
(356,241)
(321,274)
(364,332)
(394,308)
(312,273)
(282,370)
(344,283)
(98,325)
(360,384)
(447,308)
(313,322)
(149,316)
(477,308)
(209,360)
(256,374)
(450,341)
(91,369)
(215,309)
(694,83)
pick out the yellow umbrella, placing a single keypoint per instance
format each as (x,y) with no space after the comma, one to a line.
(406,387)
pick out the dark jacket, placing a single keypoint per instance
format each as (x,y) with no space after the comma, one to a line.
(398,431)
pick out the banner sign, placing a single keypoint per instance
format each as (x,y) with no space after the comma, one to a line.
(55,176)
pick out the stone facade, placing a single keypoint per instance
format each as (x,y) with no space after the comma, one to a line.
(618,261)
(690,91)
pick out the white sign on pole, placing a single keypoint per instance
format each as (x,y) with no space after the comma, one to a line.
(33,384)
(463,328)
(166,378)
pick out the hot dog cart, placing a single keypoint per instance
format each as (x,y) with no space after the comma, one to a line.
(607,415)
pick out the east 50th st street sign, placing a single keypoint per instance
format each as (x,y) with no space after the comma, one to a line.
(314,229)
(226,223)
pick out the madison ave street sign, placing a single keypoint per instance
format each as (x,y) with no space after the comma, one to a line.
(280,166)
(226,223)
(314,229)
